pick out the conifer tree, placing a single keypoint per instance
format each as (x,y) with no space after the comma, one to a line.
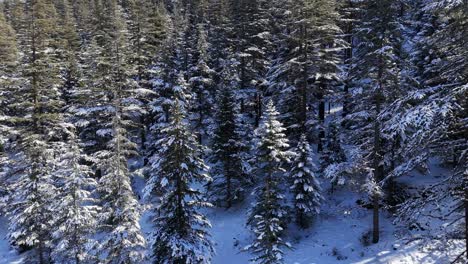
(41,129)
(268,214)
(8,45)
(146,34)
(305,185)
(230,169)
(181,230)
(376,71)
(69,48)
(333,157)
(202,84)
(74,206)
(9,57)
(120,209)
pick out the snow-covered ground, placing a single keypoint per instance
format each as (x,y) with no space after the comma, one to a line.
(334,237)
(7,254)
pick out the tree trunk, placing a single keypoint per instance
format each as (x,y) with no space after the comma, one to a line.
(228,191)
(40,252)
(345,99)
(258,110)
(378,170)
(375,231)
(305,76)
(321,115)
(466,218)
(143,132)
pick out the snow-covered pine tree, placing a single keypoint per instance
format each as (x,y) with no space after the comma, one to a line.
(181,231)
(93,109)
(375,72)
(9,57)
(69,45)
(40,126)
(167,71)
(75,209)
(121,210)
(230,169)
(322,19)
(202,84)
(268,214)
(333,156)
(308,61)
(250,42)
(305,186)
(146,34)
(8,45)
(219,31)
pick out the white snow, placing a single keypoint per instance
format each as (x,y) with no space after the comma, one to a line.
(334,236)
(7,254)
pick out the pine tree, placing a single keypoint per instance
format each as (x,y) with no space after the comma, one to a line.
(322,19)
(41,129)
(230,169)
(8,45)
(202,84)
(74,206)
(120,209)
(305,185)
(69,47)
(8,78)
(333,157)
(181,230)
(268,214)
(431,119)
(146,35)
(376,71)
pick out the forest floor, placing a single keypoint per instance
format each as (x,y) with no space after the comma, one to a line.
(7,254)
(334,237)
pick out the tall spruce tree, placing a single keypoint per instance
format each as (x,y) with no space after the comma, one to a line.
(305,185)
(75,207)
(8,84)
(230,169)
(121,211)
(181,231)
(41,130)
(376,73)
(268,215)
(202,84)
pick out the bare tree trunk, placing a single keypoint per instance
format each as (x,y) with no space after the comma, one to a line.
(321,115)
(258,106)
(378,170)
(40,252)
(305,77)
(345,99)
(466,217)
(375,231)
(228,191)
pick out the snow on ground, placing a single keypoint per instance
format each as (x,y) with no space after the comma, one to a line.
(334,237)
(7,254)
